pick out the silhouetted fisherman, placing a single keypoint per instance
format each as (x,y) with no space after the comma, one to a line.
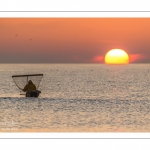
(30,89)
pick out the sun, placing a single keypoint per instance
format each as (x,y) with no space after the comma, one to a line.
(116,56)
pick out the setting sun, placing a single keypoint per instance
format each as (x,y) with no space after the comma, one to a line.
(116,56)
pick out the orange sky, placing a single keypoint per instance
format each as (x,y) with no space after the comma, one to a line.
(72,40)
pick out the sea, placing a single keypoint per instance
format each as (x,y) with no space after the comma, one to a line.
(77,98)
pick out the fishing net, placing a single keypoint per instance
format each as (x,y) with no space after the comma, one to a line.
(22,80)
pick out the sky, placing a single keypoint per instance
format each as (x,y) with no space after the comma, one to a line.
(72,40)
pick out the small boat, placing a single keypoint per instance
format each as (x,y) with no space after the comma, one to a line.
(22,82)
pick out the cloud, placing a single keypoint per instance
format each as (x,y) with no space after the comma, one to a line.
(136,58)
(98,59)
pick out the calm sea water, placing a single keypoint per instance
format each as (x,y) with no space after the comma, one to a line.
(77,98)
